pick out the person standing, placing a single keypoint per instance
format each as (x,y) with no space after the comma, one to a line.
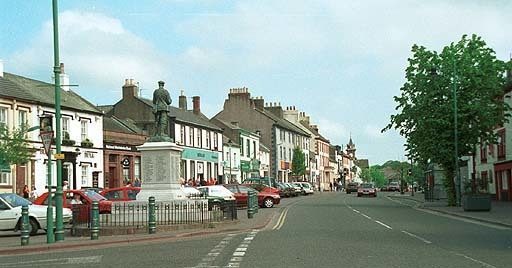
(26,192)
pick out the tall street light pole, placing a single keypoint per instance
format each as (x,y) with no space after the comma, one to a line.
(456,135)
(59,226)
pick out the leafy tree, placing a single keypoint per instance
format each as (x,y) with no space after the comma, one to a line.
(298,163)
(425,107)
(375,175)
(14,148)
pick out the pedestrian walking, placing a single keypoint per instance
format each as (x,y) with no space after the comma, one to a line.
(33,194)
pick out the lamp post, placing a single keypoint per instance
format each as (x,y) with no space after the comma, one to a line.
(456,135)
(59,226)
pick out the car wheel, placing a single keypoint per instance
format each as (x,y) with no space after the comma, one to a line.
(268,202)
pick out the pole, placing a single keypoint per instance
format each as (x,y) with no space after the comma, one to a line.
(50,238)
(456,136)
(230,160)
(25,232)
(59,232)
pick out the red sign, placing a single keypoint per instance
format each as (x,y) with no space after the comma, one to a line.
(46,138)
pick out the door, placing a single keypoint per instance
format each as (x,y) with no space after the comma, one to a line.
(112,181)
(20,179)
(8,216)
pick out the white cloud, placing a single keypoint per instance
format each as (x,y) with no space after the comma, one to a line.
(334,131)
(373,131)
(98,52)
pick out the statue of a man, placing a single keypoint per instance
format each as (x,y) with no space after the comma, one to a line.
(161,102)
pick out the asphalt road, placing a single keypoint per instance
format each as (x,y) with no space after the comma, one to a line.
(324,230)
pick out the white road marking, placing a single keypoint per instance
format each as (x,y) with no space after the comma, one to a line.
(366,216)
(356,211)
(484,264)
(417,237)
(215,252)
(387,226)
(281,220)
(59,261)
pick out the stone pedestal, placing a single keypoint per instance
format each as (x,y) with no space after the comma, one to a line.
(160,171)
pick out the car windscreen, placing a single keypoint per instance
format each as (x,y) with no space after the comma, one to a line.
(94,196)
(15,200)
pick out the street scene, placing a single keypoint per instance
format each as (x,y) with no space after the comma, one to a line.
(255,134)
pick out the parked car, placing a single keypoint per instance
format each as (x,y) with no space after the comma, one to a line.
(216,195)
(263,188)
(367,189)
(10,214)
(298,189)
(351,188)
(305,186)
(128,193)
(285,190)
(269,181)
(191,192)
(265,199)
(394,186)
(86,198)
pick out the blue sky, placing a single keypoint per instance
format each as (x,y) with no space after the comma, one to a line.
(341,62)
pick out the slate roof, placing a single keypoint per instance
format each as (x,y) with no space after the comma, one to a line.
(283,122)
(186,116)
(38,92)
(318,135)
(120,125)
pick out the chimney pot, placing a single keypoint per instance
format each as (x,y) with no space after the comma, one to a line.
(1,68)
(182,101)
(62,68)
(196,102)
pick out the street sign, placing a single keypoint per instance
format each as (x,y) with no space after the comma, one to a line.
(46,138)
(58,156)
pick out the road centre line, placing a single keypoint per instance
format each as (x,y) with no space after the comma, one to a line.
(417,237)
(383,224)
(484,264)
(366,216)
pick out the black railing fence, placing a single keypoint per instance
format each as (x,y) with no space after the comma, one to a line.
(136,214)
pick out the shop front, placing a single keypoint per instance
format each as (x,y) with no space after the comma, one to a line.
(199,165)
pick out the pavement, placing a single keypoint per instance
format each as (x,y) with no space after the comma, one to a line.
(500,213)
(10,243)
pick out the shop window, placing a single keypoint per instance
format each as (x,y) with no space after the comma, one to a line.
(136,168)
(5,178)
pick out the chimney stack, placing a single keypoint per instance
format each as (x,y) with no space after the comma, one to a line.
(64,78)
(259,103)
(1,68)
(196,102)
(182,101)
(130,89)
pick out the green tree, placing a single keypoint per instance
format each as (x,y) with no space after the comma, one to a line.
(425,107)
(298,163)
(14,148)
(375,175)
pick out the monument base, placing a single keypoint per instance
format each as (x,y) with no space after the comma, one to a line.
(160,163)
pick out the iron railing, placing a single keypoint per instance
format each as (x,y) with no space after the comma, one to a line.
(135,214)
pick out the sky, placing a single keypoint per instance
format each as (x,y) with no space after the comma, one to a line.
(341,62)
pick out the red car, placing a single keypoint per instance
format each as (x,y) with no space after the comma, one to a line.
(263,188)
(121,193)
(86,197)
(366,189)
(265,199)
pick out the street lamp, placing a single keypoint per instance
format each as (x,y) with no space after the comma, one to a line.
(456,135)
